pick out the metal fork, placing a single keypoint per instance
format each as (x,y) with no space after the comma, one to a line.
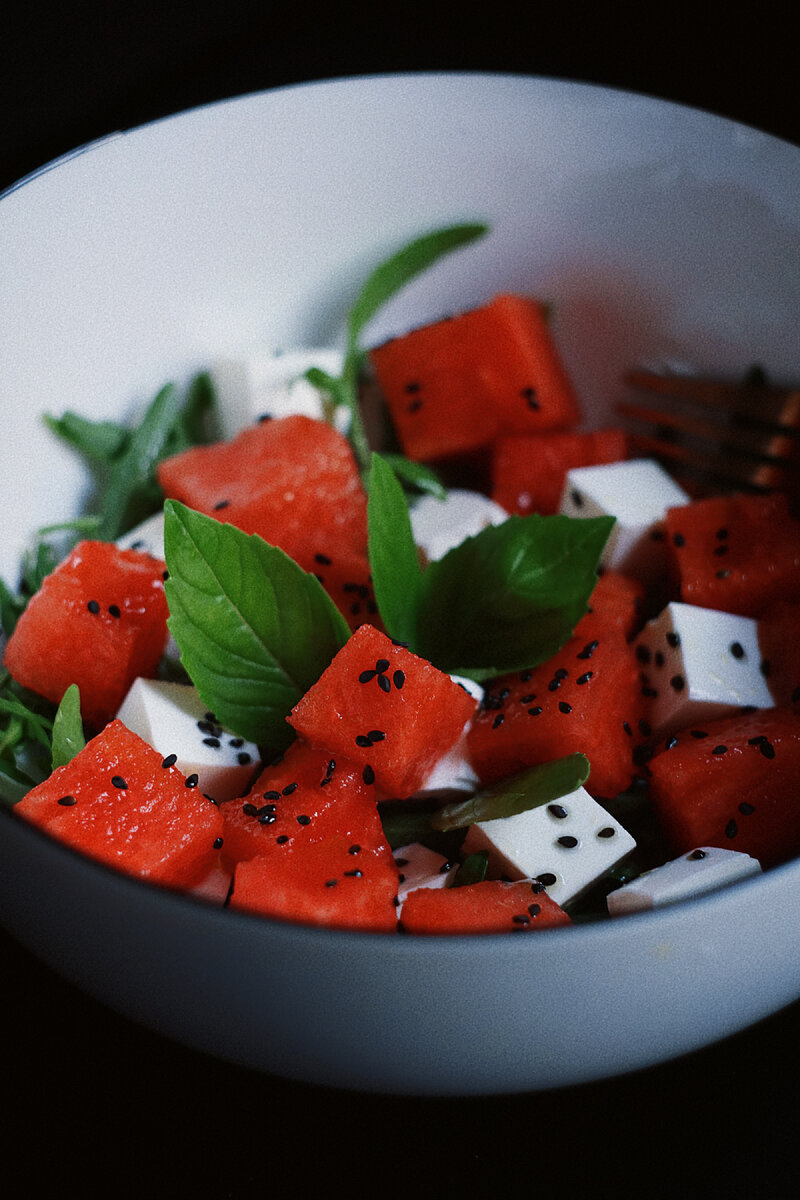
(716,436)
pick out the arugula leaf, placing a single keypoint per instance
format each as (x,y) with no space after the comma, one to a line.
(100,441)
(509,597)
(384,282)
(68,736)
(25,740)
(393,560)
(254,629)
(517,794)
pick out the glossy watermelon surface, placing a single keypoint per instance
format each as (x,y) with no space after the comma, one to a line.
(99,621)
(528,470)
(120,802)
(386,709)
(492,906)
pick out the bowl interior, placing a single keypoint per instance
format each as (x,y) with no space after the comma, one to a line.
(659,234)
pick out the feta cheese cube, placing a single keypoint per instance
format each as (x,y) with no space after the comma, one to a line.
(638,493)
(697,664)
(173,718)
(147,537)
(566,845)
(421,867)
(702,870)
(270,383)
(439,525)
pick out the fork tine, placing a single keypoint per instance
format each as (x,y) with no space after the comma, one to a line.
(721,436)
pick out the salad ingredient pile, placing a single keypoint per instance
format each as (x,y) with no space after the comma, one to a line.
(483,672)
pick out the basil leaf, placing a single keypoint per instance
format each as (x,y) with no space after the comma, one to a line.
(68,736)
(402,267)
(254,629)
(416,475)
(394,564)
(509,597)
(472,870)
(517,794)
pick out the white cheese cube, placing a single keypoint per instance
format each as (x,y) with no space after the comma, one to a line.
(638,493)
(439,525)
(567,845)
(421,867)
(173,718)
(697,664)
(270,383)
(147,537)
(702,870)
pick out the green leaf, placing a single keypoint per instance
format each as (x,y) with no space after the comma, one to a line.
(509,597)
(254,629)
(384,282)
(394,564)
(416,476)
(518,793)
(100,441)
(68,737)
(472,870)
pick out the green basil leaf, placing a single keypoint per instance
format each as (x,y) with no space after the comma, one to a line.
(254,629)
(96,440)
(472,870)
(517,794)
(398,270)
(417,476)
(394,564)
(509,597)
(68,737)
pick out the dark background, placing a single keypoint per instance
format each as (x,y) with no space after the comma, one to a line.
(111,1108)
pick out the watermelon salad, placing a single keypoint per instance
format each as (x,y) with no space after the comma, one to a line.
(384,639)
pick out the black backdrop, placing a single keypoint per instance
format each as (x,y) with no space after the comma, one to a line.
(113,1108)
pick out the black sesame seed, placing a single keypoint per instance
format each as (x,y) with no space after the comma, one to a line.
(354,849)
(170,760)
(412,387)
(568,841)
(589,649)
(323,559)
(528,698)
(537,886)
(382,665)
(93,606)
(746,809)
(577,498)
(557,810)
(643,654)
(731,829)
(627,729)
(330,883)
(547,878)
(678,683)
(384,683)
(243,758)
(767,749)
(272,795)
(354,874)
(521,919)
(721,534)
(366,676)
(237,741)
(362,740)
(221,504)
(606,832)
(303,819)
(290,787)
(211,741)
(114,610)
(399,679)
(192,780)
(670,742)
(534,712)
(376,735)
(719,550)
(368,775)
(720,750)
(534,909)
(695,855)
(528,394)
(587,675)
(645,728)
(282,840)
(498,721)
(678,539)
(218,843)
(118,782)
(564,707)
(698,733)
(737,649)
(67,801)
(249,809)
(723,574)
(673,639)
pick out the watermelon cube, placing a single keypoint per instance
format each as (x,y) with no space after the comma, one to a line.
(385,708)
(528,470)
(492,906)
(733,784)
(99,620)
(454,385)
(121,803)
(617,602)
(738,553)
(586,699)
(779,643)
(288,480)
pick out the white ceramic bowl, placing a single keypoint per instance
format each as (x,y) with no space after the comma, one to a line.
(660,233)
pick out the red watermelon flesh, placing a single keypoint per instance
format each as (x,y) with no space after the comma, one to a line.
(119,802)
(491,906)
(386,709)
(735,783)
(779,642)
(528,470)
(617,602)
(586,699)
(99,621)
(305,796)
(336,882)
(346,577)
(454,385)
(736,553)
(292,480)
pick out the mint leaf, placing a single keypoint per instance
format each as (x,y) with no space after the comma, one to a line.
(254,629)
(517,794)
(68,737)
(394,564)
(509,597)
